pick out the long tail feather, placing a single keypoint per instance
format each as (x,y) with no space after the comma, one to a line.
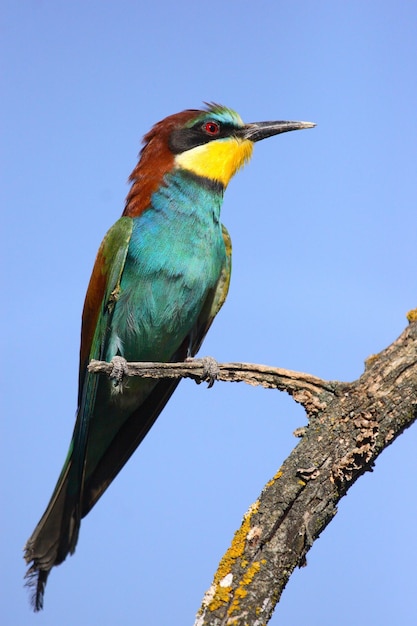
(36,583)
(53,539)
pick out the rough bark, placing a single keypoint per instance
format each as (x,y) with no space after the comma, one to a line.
(350,424)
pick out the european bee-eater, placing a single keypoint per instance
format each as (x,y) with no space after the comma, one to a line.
(160,277)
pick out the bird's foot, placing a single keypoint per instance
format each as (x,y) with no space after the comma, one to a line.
(211,369)
(119,372)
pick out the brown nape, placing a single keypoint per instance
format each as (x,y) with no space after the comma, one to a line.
(156,159)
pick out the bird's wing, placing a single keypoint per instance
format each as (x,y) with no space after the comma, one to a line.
(101,297)
(215,299)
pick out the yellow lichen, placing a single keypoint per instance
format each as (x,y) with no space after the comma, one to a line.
(235,551)
(412,315)
(241,592)
(274,478)
(371,360)
(221,596)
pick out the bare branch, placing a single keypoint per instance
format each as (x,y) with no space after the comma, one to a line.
(305,388)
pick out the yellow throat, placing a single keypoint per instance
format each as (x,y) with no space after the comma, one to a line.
(218,160)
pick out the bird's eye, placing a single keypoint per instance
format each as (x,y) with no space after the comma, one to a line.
(212,128)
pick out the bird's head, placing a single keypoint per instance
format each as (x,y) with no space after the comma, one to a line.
(212,143)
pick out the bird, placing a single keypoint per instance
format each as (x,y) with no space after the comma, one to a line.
(160,277)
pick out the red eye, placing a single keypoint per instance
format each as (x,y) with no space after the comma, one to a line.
(212,128)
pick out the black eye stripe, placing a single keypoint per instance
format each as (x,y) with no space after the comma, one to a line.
(183,139)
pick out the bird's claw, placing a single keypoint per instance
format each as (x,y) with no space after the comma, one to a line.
(211,370)
(119,371)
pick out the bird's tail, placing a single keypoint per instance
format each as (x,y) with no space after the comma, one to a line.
(53,539)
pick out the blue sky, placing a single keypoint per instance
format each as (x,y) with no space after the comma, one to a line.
(323,224)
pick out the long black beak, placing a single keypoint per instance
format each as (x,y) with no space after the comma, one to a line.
(261,130)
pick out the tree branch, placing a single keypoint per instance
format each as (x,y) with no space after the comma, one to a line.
(305,388)
(350,425)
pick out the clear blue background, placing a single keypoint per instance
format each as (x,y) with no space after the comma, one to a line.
(324,228)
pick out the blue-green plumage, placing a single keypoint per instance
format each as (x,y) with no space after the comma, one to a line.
(175,256)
